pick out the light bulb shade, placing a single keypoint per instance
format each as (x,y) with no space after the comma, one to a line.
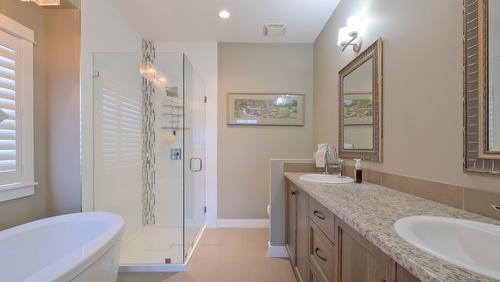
(224,14)
(343,36)
(353,24)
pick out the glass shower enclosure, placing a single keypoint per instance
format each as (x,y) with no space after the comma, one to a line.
(149,153)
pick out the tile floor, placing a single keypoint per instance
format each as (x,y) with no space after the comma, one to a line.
(227,255)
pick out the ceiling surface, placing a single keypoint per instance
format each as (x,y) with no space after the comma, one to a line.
(197,20)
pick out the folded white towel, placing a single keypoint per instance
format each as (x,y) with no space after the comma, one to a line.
(319,156)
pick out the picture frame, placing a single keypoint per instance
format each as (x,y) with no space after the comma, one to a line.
(358,109)
(265,109)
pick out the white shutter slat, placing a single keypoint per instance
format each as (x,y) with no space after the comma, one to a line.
(7,53)
(7,155)
(9,84)
(8,144)
(7,94)
(7,73)
(11,113)
(7,65)
(9,165)
(7,134)
(7,104)
(8,124)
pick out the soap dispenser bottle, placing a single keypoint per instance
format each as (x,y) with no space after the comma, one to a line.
(358,172)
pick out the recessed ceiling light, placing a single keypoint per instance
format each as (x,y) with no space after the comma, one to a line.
(224,14)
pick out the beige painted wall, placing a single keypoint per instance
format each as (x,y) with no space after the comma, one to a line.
(41,204)
(63,77)
(422,86)
(244,152)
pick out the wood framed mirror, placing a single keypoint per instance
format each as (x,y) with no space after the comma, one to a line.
(360,106)
(482,86)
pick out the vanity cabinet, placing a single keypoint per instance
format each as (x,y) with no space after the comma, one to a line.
(359,260)
(298,231)
(323,248)
(291,223)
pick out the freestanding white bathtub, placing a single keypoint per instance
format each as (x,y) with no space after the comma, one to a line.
(74,247)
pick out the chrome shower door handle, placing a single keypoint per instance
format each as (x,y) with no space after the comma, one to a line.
(191,165)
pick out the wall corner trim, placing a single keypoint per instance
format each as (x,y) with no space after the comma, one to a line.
(276,251)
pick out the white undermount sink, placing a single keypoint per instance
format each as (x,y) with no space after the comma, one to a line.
(326,178)
(472,245)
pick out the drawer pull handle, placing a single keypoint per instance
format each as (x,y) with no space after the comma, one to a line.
(319,215)
(293,193)
(316,251)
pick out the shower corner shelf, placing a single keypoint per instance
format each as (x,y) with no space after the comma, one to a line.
(174,127)
(172,106)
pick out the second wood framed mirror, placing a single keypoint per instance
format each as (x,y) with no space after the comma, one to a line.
(360,106)
(481,84)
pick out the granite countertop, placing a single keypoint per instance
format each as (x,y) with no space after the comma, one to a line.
(372,211)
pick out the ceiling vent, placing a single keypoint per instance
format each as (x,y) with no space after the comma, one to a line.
(274,29)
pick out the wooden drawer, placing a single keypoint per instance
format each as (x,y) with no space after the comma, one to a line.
(317,274)
(323,218)
(321,252)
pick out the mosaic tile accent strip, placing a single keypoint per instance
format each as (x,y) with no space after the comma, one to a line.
(148,135)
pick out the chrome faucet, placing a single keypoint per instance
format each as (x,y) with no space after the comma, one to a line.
(336,162)
(327,158)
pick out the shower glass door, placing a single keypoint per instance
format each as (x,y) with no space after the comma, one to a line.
(194,161)
(138,133)
(149,153)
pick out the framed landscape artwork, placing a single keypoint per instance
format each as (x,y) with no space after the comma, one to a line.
(265,109)
(358,109)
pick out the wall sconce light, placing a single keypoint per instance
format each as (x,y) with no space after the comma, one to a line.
(45,2)
(349,35)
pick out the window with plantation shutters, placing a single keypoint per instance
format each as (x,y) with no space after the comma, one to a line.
(8,108)
(16,110)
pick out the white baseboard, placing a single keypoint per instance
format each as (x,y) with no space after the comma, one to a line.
(243,223)
(276,251)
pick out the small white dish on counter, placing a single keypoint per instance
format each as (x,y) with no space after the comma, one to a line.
(472,245)
(326,178)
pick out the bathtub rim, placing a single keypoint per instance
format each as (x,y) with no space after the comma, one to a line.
(76,261)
